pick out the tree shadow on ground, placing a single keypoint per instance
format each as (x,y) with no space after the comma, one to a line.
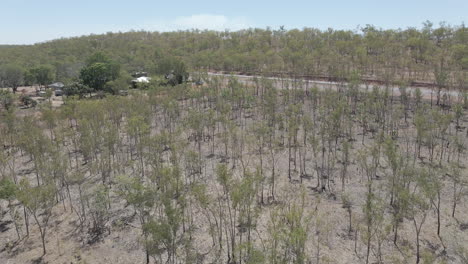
(4,225)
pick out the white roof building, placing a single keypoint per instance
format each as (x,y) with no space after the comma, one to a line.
(57,85)
(142,79)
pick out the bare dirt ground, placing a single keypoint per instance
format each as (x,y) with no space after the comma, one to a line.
(67,244)
(31,91)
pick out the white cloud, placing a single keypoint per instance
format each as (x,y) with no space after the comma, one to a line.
(202,21)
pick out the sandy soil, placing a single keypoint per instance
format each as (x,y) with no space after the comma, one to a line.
(67,244)
(31,91)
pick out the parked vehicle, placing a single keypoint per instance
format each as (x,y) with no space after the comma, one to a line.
(58,92)
(41,93)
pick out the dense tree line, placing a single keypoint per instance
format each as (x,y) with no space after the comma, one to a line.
(431,54)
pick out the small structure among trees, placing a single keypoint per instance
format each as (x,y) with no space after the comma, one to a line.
(56,86)
(140,78)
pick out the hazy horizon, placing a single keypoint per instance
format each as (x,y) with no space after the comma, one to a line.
(33,22)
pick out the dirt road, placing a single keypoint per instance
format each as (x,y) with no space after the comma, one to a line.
(287,83)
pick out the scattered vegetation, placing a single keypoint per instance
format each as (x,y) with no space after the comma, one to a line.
(243,171)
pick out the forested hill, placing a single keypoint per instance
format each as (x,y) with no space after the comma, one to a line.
(428,54)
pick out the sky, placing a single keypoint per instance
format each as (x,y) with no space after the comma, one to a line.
(33,21)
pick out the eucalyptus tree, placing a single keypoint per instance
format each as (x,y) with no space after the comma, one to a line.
(372,208)
(325,142)
(244,201)
(10,128)
(369,161)
(274,151)
(157,144)
(172,112)
(77,89)
(436,126)
(42,75)
(86,142)
(39,202)
(111,143)
(396,163)
(210,123)
(78,179)
(287,229)
(314,141)
(307,129)
(458,112)
(164,227)
(142,198)
(363,118)
(225,179)
(269,107)
(9,192)
(345,161)
(293,116)
(394,126)
(441,79)
(55,170)
(431,184)
(98,71)
(204,200)
(138,131)
(421,124)
(6,100)
(261,132)
(11,76)
(443,129)
(405,100)
(418,206)
(4,157)
(274,246)
(348,205)
(226,124)
(196,123)
(50,116)
(37,145)
(238,145)
(459,179)
(99,212)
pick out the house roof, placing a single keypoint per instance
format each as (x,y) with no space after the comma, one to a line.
(56,85)
(142,79)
